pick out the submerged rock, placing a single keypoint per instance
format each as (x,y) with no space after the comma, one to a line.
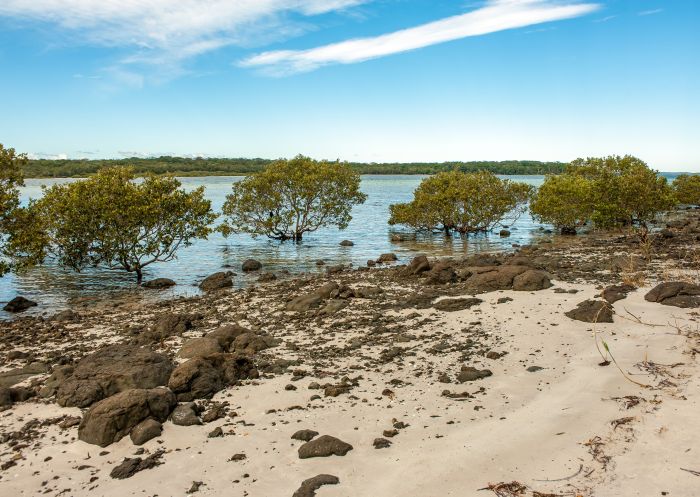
(251,265)
(158,284)
(19,304)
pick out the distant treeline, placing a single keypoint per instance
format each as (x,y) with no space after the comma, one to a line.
(73,168)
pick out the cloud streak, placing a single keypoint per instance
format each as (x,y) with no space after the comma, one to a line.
(495,15)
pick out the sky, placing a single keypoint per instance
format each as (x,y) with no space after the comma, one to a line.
(357,80)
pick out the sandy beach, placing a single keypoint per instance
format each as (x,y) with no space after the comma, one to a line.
(381,362)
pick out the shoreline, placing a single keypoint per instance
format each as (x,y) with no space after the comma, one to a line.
(382,355)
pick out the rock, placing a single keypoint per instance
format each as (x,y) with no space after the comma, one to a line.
(324,446)
(489,279)
(592,311)
(504,233)
(66,316)
(371,263)
(386,258)
(110,419)
(346,243)
(366,292)
(251,265)
(110,370)
(18,375)
(442,273)
(332,306)
(198,347)
(185,415)
(534,369)
(202,377)
(617,292)
(381,443)
(307,301)
(145,431)
(225,335)
(217,281)
(469,373)
(531,280)
(504,300)
(129,467)
(676,293)
(335,269)
(320,262)
(158,284)
(167,325)
(452,305)
(58,376)
(250,343)
(419,264)
(308,487)
(304,435)
(9,396)
(19,304)
(267,277)
(216,432)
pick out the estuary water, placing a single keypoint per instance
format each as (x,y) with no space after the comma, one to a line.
(54,288)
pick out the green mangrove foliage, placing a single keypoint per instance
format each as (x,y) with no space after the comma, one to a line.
(687,189)
(11,178)
(461,202)
(112,221)
(609,192)
(292,197)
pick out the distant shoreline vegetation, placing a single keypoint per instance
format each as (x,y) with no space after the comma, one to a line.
(180,166)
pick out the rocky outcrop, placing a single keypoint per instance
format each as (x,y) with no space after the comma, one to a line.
(158,284)
(592,311)
(217,281)
(111,419)
(19,304)
(202,377)
(675,293)
(505,277)
(110,370)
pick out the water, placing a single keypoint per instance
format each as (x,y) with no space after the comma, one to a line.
(54,287)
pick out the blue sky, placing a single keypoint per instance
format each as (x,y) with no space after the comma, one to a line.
(359,80)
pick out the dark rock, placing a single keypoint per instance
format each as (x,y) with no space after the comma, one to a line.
(9,396)
(534,369)
(66,316)
(452,305)
(468,373)
(592,311)
(676,293)
(313,299)
(304,435)
(442,273)
(371,263)
(202,377)
(217,281)
(617,292)
(308,487)
(19,304)
(267,277)
(419,264)
(531,280)
(504,300)
(386,258)
(185,415)
(167,325)
(110,370)
(332,306)
(199,347)
(489,279)
(158,284)
(250,343)
(110,419)
(504,233)
(145,431)
(381,443)
(251,265)
(129,467)
(18,375)
(346,243)
(324,446)
(216,432)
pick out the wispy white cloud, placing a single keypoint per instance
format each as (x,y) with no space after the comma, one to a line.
(169,31)
(650,12)
(605,19)
(493,16)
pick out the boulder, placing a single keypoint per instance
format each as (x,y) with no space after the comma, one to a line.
(18,375)
(442,273)
(225,335)
(198,347)
(675,293)
(308,487)
(324,446)
(251,343)
(145,431)
(251,265)
(346,243)
(19,304)
(419,264)
(217,281)
(614,293)
(307,301)
(158,284)
(66,316)
(504,233)
(202,377)
(185,415)
(167,325)
(385,258)
(110,419)
(592,311)
(304,435)
(110,370)
(531,280)
(9,396)
(489,279)
(452,305)
(267,277)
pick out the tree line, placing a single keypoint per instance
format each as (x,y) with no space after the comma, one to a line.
(199,166)
(111,220)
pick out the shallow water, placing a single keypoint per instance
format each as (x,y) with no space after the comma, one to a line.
(54,287)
